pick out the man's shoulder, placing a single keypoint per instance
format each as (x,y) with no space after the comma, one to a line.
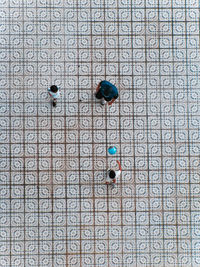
(106,83)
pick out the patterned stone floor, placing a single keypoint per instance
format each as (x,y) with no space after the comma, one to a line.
(55,209)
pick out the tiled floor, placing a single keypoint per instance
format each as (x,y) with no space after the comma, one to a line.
(55,209)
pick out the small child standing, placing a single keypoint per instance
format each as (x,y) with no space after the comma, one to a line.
(113,175)
(54,92)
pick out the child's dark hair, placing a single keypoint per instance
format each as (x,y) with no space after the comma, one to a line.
(54,89)
(112,174)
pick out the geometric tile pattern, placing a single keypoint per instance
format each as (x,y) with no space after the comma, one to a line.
(55,209)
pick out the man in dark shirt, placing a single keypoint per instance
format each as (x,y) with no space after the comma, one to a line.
(106,91)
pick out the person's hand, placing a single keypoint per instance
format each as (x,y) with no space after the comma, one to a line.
(119,165)
(110,103)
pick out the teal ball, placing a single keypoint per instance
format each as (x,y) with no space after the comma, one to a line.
(112,150)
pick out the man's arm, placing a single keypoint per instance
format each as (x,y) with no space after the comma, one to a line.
(49,91)
(111,102)
(120,168)
(99,85)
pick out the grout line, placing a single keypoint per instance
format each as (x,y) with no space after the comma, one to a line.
(38,156)
(51,171)
(188,139)
(161,138)
(175,152)
(147,133)
(134,167)
(79,141)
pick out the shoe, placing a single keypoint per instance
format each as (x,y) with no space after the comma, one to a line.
(103,102)
(54,104)
(113,185)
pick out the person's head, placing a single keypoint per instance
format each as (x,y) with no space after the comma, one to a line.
(54,89)
(112,174)
(107,91)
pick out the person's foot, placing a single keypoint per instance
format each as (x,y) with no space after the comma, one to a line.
(54,103)
(113,185)
(103,102)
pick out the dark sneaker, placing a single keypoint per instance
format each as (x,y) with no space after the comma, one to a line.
(54,103)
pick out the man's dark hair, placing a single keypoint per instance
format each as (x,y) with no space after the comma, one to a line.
(112,174)
(54,89)
(107,91)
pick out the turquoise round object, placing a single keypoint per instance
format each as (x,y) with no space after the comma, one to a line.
(112,150)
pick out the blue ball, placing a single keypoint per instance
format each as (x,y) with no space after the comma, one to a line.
(112,150)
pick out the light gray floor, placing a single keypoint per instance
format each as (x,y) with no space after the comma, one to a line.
(55,209)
